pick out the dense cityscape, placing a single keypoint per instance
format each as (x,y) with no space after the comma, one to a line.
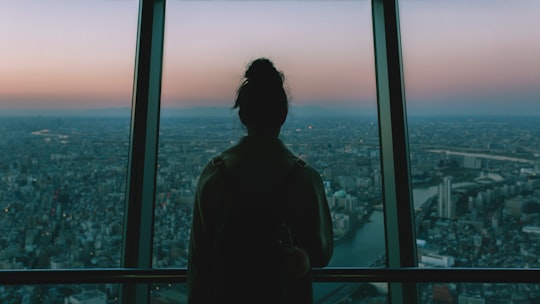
(63,182)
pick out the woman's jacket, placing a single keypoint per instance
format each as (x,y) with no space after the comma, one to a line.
(263,166)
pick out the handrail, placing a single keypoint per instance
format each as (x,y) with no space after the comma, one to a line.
(178,275)
(449,275)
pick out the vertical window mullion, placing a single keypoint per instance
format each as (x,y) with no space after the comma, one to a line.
(397,196)
(139,211)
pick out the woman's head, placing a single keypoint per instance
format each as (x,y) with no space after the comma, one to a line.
(261,99)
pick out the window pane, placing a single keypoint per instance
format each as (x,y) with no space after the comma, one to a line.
(325,50)
(479,293)
(72,293)
(169,293)
(65,91)
(372,293)
(472,79)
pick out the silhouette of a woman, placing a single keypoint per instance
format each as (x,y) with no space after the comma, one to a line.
(271,180)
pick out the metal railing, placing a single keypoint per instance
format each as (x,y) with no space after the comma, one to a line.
(127,275)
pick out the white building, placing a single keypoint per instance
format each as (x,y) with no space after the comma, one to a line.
(531,229)
(87,297)
(462,299)
(435,260)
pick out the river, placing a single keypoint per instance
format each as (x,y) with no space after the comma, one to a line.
(368,242)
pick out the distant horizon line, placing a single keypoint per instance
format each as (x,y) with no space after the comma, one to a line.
(221,111)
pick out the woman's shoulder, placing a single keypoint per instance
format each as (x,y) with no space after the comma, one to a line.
(211,172)
(304,172)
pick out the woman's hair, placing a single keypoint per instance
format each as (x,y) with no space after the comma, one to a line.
(261,99)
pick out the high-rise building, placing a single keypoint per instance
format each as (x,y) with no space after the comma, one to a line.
(446,206)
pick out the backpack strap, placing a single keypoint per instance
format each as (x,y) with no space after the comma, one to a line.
(300,162)
(217,161)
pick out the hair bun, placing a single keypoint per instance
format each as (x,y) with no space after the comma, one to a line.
(263,70)
(261,99)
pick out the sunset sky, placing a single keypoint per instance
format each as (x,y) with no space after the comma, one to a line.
(459,56)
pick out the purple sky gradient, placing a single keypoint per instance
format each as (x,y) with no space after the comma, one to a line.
(459,56)
(471,56)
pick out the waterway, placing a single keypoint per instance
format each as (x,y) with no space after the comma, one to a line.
(365,246)
(483,155)
(368,243)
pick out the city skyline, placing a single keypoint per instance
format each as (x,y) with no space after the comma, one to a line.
(458,57)
(64,191)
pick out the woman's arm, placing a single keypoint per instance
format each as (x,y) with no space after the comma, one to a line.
(198,272)
(312,223)
(326,235)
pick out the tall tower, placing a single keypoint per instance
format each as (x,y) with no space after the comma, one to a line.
(447,208)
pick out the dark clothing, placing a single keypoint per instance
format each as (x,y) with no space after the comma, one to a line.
(260,165)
